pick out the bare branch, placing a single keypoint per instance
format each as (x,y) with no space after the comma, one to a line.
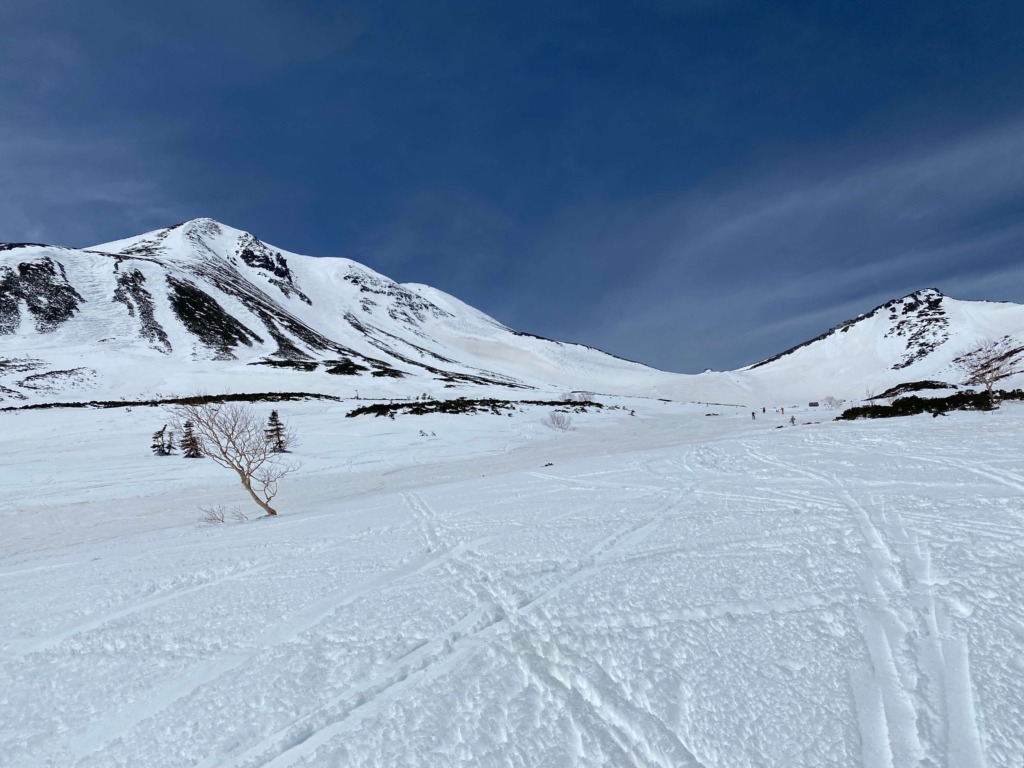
(559,420)
(232,436)
(989,361)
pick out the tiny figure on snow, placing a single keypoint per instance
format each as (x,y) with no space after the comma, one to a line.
(792,421)
(753,415)
(783,410)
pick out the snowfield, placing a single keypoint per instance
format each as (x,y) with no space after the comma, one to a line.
(664,589)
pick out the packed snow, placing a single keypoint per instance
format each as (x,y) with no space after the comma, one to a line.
(670,588)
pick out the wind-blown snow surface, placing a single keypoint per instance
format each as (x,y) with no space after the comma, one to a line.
(669,589)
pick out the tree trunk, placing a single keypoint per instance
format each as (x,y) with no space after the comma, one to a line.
(255,497)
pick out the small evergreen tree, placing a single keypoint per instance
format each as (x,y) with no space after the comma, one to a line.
(190,447)
(277,434)
(163,442)
(158,441)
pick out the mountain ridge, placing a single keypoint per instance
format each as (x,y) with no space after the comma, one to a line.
(201,290)
(142,313)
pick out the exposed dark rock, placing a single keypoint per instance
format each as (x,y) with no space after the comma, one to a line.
(132,293)
(912,386)
(252,397)
(6,393)
(404,305)
(258,255)
(295,365)
(346,368)
(464,405)
(51,299)
(10,295)
(55,381)
(12,246)
(206,319)
(19,364)
(924,325)
(275,318)
(43,285)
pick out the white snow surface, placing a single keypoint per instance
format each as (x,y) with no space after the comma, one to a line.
(665,589)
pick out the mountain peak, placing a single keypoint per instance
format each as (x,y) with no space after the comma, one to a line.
(925,293)
(919,318)
(199,225)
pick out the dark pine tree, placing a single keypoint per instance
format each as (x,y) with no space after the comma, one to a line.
(276,434)
(190,448)
(163,442)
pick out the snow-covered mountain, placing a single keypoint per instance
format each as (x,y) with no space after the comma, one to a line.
(201,305)
(910,339)
(204,306)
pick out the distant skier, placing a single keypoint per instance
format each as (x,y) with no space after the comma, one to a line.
(753,415)
(792,421)
(763,410)
(783,410)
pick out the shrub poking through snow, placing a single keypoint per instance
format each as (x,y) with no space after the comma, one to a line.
(909,406)
(559,420)
(461,405)
(218,513)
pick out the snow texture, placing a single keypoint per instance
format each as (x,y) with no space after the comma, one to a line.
(670,582)
(664,589)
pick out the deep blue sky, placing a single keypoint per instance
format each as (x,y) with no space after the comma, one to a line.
(689,184)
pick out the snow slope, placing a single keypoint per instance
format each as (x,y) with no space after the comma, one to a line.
(214,302)
(200,304)
(667,589)
(914,338)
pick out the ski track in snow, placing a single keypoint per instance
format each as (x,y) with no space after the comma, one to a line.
(303,737)
(918,677)
(736,598)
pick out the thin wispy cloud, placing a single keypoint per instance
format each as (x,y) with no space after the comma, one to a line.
(60,187)
(811,245)
(688,184)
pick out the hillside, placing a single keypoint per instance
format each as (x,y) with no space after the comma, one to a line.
(204,306)
(200,303)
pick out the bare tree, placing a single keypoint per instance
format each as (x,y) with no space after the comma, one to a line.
(832,403)
(231,435)
(989,361)
(559,420)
